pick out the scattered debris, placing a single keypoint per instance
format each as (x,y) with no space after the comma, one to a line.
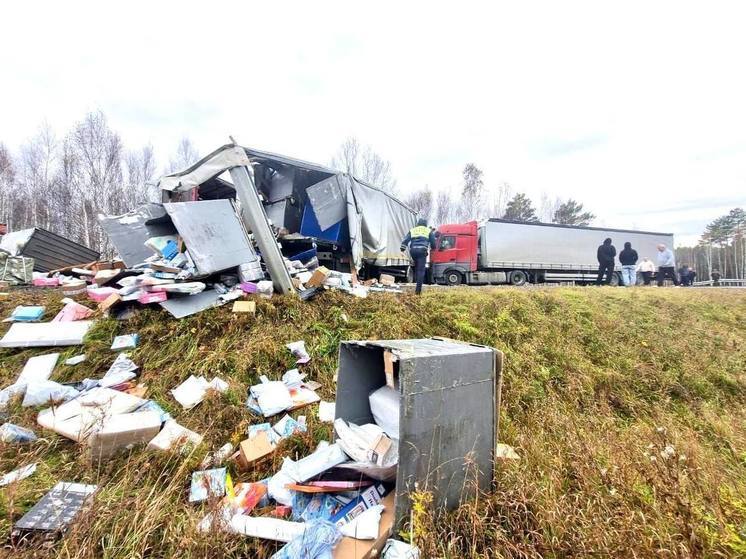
(254,449)
(76,360)
(17,475)
(123,431)
(10,433)
(46,334)
(172,435)
(194,389)
(40,392)
(326,412)
(318,539)
(364,526)
(47,250)
(244,307)
(218,457)
(72,311)
(506,452)
(298,349)
(209,484)
(55,511)
(24,313)
(15,270)
(127,341)
(396,549)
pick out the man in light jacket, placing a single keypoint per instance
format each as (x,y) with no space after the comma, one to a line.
(646,269)
(666,265)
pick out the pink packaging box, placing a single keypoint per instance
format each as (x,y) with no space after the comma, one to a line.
(100,294)
(152,297)
(46,282)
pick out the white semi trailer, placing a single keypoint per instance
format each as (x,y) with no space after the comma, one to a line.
(499,251)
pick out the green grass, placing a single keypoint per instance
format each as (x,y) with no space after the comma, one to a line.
(596,382)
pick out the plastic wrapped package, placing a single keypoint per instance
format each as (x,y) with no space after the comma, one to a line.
(365,526)
(359,440)
(10,433)
(316,542)
(384,404)
(265,288)
(42,392)
(322,459)
(298,349)
(399,550)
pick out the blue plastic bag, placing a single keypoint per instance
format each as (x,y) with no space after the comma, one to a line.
(10,433)
(316,542)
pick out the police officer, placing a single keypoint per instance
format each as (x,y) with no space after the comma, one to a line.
(419,239)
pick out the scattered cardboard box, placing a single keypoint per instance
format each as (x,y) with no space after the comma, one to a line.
(254,449)
(351,548)
(318,277)
(244,307)
(386,279)
(109,302)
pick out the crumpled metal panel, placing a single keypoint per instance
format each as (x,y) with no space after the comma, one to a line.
(179,307)
(128,232)
(212,233)
(329,201)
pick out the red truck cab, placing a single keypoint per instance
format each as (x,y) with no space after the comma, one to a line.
(456,252)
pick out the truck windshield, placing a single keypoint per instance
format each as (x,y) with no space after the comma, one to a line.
(447,242)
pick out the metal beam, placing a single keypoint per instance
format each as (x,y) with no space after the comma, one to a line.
(255,218)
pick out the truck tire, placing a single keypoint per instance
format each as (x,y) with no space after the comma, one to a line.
(615,280)
(453,277)
(518,278)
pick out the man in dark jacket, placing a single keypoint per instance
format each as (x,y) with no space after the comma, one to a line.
(605,254)
(685,276)
(420,239)
(628,258)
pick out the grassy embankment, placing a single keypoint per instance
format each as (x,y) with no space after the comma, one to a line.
(597,383)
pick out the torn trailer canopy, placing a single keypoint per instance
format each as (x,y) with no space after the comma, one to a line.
(377,221)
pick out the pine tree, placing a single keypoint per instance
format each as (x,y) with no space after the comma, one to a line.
(520,208)
(571,212)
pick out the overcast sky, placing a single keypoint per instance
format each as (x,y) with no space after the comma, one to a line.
(637,109)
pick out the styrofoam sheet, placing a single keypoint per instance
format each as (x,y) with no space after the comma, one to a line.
(46,334)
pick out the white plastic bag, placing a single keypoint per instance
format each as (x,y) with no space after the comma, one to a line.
(384,404)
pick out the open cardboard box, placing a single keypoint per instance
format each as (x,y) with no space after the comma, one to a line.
(351,548)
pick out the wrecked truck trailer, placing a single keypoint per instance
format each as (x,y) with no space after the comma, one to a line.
(314,210)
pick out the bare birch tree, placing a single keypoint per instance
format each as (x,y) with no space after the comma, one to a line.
(365,164)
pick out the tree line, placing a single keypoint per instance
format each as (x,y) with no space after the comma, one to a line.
(62,183)
(721,247)
(476,201)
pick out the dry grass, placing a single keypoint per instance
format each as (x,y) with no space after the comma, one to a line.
(591,375)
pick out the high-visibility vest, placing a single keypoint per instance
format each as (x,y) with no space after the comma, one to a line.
(419,231)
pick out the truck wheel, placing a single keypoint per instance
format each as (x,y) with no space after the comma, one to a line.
(615,280)
(453,277)
(518,277)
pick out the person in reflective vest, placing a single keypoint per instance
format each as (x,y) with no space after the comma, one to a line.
(419,239)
